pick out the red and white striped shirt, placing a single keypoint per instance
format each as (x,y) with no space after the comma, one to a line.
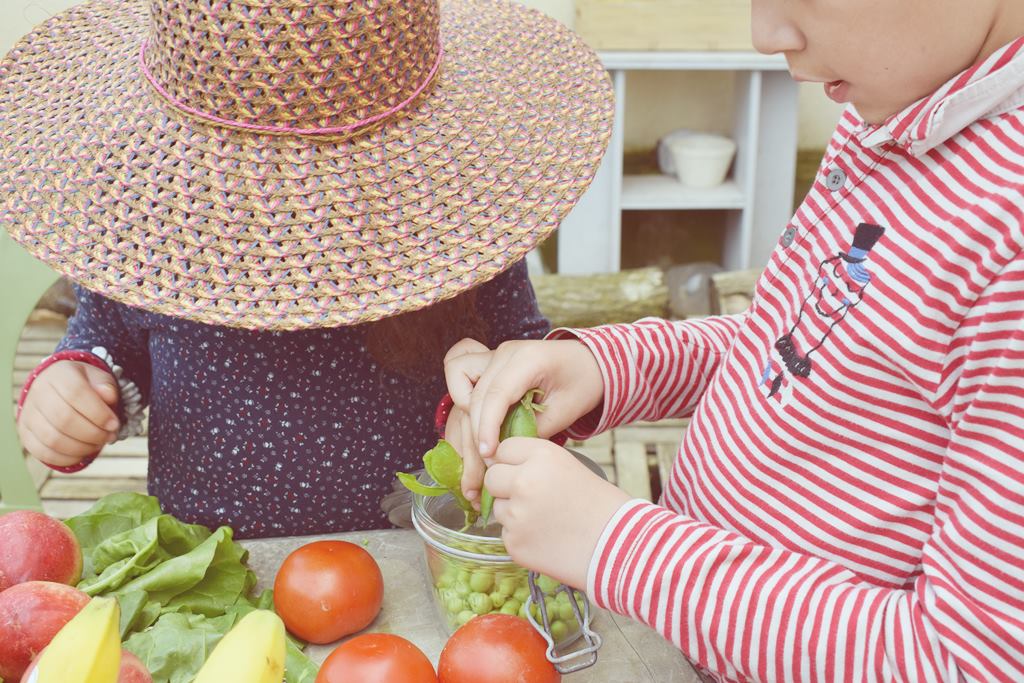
(848,501)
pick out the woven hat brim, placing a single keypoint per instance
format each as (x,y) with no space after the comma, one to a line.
(111,186)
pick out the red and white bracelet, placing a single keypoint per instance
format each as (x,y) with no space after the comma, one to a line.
(131,399)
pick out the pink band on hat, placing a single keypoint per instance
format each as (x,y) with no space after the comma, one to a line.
(285,129)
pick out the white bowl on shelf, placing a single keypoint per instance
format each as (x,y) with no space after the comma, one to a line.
(666,162)
(701,160)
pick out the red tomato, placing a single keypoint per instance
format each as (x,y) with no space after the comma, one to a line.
(377,658)
(496,648)
(328,589)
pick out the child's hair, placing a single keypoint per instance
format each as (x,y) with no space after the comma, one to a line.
(414,344)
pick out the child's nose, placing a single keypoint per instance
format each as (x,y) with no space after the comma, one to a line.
(773,31)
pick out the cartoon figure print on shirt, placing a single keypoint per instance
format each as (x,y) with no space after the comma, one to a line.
(837,288)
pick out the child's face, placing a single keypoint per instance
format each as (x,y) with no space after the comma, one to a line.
(883,55)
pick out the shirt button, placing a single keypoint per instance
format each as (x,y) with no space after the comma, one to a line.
(836,179)
(788,236)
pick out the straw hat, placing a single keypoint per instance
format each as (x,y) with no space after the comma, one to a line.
(281,164)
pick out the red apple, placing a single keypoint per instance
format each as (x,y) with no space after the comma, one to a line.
(37,547)
(132,669)
(31,613)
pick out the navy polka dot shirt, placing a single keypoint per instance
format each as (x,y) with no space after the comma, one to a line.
(283,433)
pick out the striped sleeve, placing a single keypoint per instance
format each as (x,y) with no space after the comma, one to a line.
(751,611)
(652,369)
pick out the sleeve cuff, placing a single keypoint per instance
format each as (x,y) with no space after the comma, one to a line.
(132,410)
(623,564)
(597,420)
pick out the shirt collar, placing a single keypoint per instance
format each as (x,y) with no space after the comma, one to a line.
(991,87)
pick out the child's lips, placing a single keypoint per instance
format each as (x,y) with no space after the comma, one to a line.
(838,91)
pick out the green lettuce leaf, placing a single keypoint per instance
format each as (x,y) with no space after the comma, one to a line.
(180,586)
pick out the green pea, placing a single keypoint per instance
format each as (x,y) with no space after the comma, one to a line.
(480,603)
(454,605)
(559,630)
(498,599)
(481,581)
(463,589)
(547,584)
(447,578)
(566,613)
(464,616)
(562,598)
(522,593)
(507,586)
(511,606)
(462,576)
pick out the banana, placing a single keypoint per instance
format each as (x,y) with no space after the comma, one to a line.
(251,652)
(87,649)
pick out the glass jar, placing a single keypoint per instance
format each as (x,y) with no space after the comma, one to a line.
(472,573)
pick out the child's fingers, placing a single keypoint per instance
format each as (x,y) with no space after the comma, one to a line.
(78,393)
(58,416)
(461,376)
(44,453)
(516,450)
(104,384)
(499,388)
(464,346)
(459,434)
(61,442)
(499,480)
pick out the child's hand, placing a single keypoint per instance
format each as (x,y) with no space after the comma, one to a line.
(552,509)
(484,384)
(458,433)
(68,413)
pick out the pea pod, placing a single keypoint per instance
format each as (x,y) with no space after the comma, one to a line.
(521,420)
(444,465)
(413,484)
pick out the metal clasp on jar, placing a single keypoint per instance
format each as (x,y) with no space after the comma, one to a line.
(565,659)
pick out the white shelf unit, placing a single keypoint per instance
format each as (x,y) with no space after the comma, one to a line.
(758,196)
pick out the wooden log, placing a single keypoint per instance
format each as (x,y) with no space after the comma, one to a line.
(732,291)
(664,24)
(591,300)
